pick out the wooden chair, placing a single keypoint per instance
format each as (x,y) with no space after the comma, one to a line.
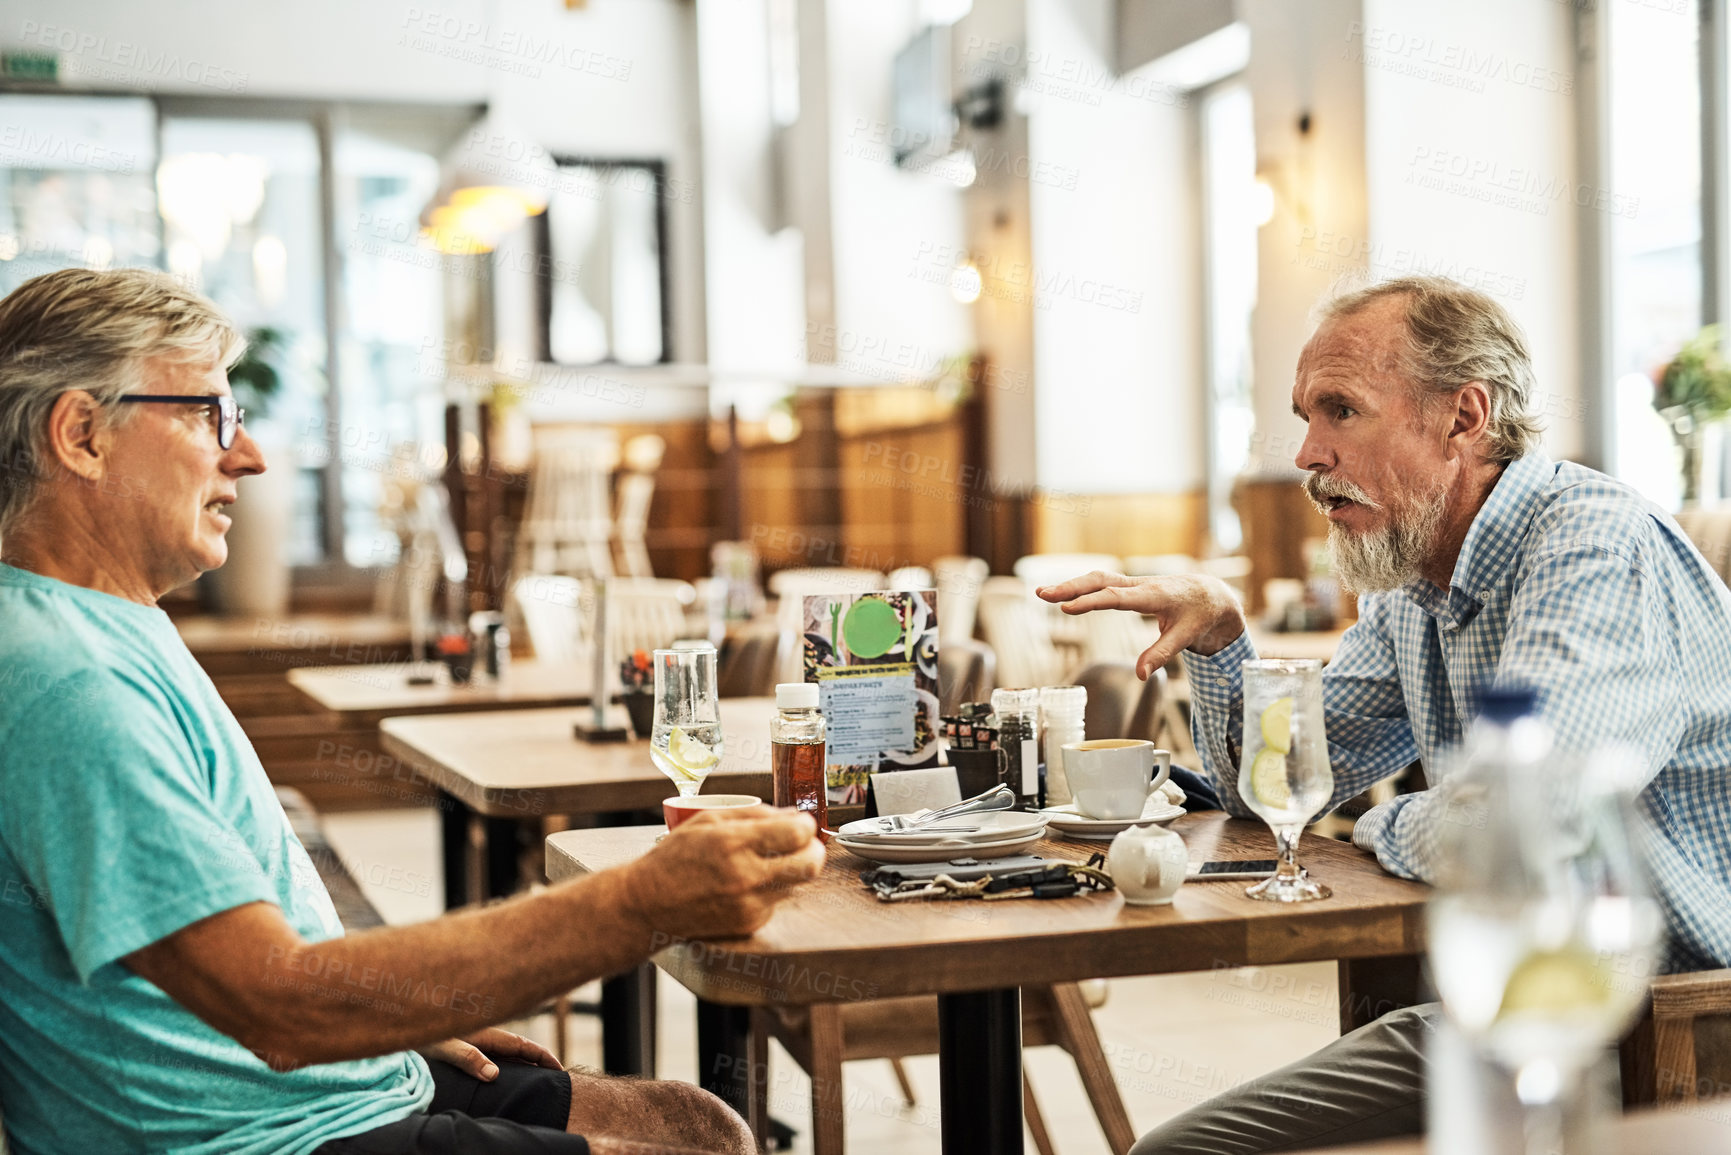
(1041,569)
(1018,630)
(967,672)
(748,660)
(568,519)
(634,490)
(909,577)
(823,1037)
(1666,1059)
(646,613)
(958,580)
(1113,695)
(552,607)
(1116,636)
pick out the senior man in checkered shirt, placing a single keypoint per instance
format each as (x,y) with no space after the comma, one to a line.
(1479,563)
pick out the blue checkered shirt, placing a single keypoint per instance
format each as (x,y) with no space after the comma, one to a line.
(1570,582)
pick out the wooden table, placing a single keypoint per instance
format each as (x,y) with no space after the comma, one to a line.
(507,766)
(834,942)
(1317,644)
(366,695)
(258,644)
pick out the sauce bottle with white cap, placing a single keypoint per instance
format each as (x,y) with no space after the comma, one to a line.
(796,751)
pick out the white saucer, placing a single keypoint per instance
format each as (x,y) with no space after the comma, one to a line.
(1068,820)
(994,826)
(949,852)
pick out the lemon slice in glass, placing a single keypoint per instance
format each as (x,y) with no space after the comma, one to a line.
(1268,780)
(1554,982)
(688,754)
(1277,725)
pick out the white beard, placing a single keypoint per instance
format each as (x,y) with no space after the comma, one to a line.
(1387,559)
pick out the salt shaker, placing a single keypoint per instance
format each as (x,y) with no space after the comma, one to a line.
(1061,712)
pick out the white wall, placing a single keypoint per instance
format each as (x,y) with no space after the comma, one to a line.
(753,267)
(1299,64)
(615,78)
(895,233)
(1469,143)
(1117,321)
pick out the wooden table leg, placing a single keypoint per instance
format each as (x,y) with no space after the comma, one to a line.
(723,1052)
(454,846)
(980,1071)
(628,1022)
(1372,987)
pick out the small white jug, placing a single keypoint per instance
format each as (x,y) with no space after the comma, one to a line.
(1147,864)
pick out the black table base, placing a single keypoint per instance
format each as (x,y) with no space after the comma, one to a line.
(980,1071)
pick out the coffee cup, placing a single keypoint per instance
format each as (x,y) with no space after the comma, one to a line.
(1113,777)
(678,808)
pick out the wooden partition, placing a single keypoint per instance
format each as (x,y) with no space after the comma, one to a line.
(1278,521)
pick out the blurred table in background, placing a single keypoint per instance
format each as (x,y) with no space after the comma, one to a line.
(1317,644)
(363,695)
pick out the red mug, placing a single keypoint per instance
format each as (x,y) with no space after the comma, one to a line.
(678,808)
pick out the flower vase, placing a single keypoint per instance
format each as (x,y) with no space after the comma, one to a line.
(1687,433)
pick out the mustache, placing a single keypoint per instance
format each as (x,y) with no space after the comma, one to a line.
(1321,486)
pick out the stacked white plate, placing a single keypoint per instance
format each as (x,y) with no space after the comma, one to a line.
(1072,823)
(998,833)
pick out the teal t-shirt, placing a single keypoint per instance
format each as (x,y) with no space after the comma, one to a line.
(132,805)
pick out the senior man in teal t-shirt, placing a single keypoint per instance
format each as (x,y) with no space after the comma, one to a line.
(172,973)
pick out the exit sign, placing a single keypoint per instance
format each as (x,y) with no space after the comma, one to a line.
(39,67)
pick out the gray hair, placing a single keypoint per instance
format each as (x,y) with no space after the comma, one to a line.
(94,330)
(1454,336)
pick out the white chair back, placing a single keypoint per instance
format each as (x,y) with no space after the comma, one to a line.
(792,587)
(1044,569)
(555,615)
(1016,627)
(1161,565)
(908,577)
(958,580)
(1115,636)
(569,518)
(646,613)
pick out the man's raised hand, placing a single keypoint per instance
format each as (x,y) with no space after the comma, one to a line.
(1195,612)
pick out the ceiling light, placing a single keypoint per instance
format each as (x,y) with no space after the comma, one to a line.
(494,178)
(966,283)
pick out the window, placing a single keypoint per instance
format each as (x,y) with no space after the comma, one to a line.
(1654,170)
(239,204)
(1228,139)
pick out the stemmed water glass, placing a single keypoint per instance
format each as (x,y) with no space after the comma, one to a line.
(685,740)
(1543,935)
(1285,776)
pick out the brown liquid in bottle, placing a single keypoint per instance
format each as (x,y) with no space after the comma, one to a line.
(797,771)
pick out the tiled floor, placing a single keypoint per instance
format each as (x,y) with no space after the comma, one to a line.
(1173,1041)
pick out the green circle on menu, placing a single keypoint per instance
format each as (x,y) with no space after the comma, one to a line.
(871,627)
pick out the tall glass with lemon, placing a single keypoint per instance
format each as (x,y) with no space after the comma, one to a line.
(1285,776)
(685,741)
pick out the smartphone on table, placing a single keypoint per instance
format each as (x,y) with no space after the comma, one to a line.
(1226,870)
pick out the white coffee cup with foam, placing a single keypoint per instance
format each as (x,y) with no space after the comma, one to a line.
(1113,777)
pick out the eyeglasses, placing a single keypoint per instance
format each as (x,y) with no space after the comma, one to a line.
(229,416)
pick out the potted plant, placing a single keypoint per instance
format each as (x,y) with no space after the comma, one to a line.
(1692,391)
(637,676)
(255,579)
